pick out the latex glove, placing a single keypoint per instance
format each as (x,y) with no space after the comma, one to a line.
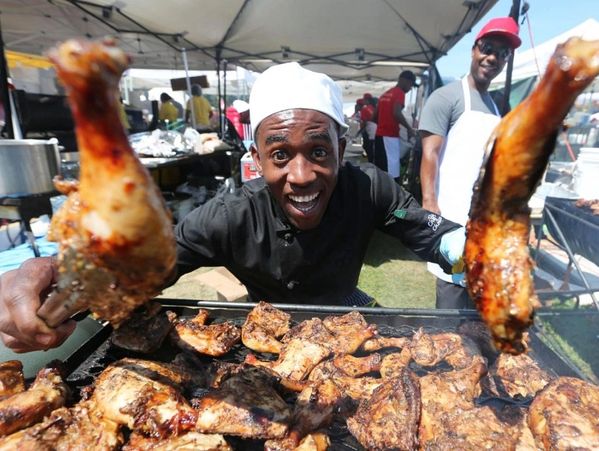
(452,249)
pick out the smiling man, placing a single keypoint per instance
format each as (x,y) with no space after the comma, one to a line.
(298,234)
(456,122)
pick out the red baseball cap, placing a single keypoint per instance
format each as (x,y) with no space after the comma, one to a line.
(367,95)
(505,27)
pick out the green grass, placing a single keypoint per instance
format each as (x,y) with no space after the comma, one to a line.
(394,276)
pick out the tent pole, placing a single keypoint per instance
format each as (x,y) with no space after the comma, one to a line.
(220,112)
(514,14)
(4,90)
(188,83)
(224,103)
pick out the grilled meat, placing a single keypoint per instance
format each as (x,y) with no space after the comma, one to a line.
(79,428)
(393,364)
(214,340)
(498,264)
(145,331)
(516,375)
(304,346)
(144,396)
(349,331)
(246,405)
(450,419)
(390,418)
(189,441)
(378,342)
(262,328)
(313,409)
(357,366)
(115,234)
(429,350)
(21,410)
(317,441)
(12,380)
(565,415)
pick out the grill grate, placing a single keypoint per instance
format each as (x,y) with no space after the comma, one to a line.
(88,366)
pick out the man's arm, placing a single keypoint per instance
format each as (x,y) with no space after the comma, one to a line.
(429,169)
(400,118)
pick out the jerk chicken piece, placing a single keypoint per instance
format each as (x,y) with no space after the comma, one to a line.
(79,428)
(115,234)
(429,350)
(498,264)
(318,441)
(190,441)
(304,346)
(145,330)
(565,415)
(313,409)
(390,418)
(12,380)
(516,375)
(378,342)
(450,420)
(345,365)
(262,328)
(145,397)
(214,340)
(21,410)
(245,405)
(349,331)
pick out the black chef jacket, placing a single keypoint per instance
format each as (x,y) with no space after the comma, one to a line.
(248,233)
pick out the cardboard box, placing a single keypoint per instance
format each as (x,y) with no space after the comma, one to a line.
(227,286)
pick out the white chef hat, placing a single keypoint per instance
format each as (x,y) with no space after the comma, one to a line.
(288,86)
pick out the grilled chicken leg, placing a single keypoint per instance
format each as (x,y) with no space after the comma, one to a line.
(48,392)
(498,265)
(116,243)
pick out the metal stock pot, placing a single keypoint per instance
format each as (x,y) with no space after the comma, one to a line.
(27,166)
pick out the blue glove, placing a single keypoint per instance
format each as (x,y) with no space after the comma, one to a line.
(452,249)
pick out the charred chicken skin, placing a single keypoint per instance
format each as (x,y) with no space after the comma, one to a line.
(262,328)
(498,264)
(565,415)
(115,234)
(12,380)
(21,410)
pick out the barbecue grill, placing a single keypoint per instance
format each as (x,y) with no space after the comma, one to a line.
(85,364)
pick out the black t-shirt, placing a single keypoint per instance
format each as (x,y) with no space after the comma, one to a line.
(248,233)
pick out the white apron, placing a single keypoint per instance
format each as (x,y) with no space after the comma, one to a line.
(460,161)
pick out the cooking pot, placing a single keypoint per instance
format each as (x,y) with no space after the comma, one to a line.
(27,166)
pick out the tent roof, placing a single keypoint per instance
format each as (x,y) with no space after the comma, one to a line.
(532,61)
(348,39)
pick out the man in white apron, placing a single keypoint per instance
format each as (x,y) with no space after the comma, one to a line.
(455,126)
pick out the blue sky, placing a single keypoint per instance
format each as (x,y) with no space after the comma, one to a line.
(547,18)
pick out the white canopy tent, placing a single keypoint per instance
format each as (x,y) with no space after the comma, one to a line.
(348,39)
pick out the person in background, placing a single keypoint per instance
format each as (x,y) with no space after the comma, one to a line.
(368,125)
(123,116)
(239,115)
(201,108)
(168,111)
(297,234)
(389,117)
(455,124)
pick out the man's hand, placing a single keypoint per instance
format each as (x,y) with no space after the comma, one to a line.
(431,205)
(20,328)
(452,249)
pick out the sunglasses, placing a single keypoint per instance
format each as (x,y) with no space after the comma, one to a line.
(486,48)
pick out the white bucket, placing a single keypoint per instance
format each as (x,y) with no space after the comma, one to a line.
(248,168)
(586,175)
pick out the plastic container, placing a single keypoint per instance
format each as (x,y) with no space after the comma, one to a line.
(248,168)
(587,173)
